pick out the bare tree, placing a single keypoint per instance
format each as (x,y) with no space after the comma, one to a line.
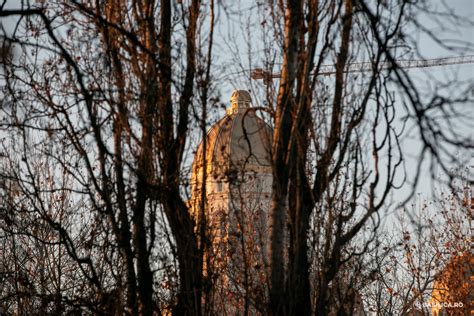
(337,150)
(100,104)
(422,258)
(100,84)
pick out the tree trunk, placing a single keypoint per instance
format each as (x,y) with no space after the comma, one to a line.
(283,127)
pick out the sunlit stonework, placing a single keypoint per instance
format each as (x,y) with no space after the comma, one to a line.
(235,164)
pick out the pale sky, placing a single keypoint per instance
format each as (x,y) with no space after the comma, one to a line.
(426,48)
(428,78)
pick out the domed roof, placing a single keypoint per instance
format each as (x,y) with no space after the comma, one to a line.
(239,141)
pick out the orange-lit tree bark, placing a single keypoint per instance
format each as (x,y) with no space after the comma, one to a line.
(281,140)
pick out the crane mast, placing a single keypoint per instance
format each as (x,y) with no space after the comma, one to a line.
(327,70)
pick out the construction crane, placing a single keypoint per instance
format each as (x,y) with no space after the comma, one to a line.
(327,70)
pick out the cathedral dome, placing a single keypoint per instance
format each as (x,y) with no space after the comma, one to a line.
(234,156)
(240,141)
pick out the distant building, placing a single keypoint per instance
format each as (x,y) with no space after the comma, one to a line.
(234,162)
(453,292)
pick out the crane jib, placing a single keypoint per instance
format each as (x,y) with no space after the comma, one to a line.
(327,70)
